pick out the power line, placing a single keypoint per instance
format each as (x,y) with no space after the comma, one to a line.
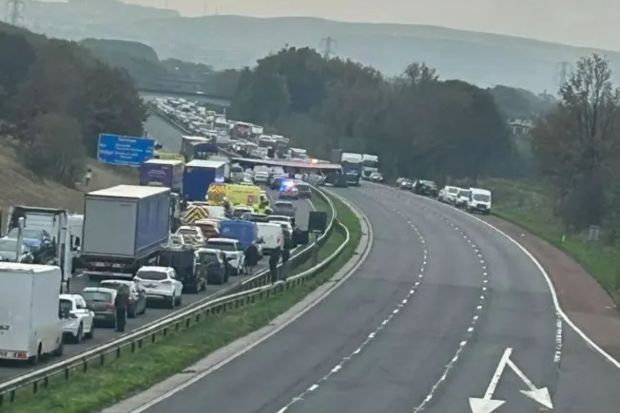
(328,43)
(15,10)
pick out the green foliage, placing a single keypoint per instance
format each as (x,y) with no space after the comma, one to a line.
(521,103)
(418,125)
(60,99)
(578,143)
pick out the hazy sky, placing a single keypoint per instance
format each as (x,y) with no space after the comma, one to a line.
(579,22)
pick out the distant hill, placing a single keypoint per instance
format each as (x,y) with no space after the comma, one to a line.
(236,41)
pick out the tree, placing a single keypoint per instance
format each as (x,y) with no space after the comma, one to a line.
(578,143)
(16,56)
(55,150)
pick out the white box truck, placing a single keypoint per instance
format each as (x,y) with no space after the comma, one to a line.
(124,227)
(30,325)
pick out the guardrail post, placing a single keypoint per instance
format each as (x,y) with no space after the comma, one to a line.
(133,346)
(12,396)
(35,387)
(152,338)
(187,322)
(101,359)
(66,373)
(165,332)
(46,381)
(118,352)
(84,365)
(140,343)
(1,399)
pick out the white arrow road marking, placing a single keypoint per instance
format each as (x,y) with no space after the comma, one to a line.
(486,404)
(539,395)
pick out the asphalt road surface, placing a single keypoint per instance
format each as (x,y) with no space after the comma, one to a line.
(156,311)
(443,310)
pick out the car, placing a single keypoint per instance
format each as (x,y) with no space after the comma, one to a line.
(210,227)
(405,184)
(276,183)
(479,200)
(303,190)
(462,198)
(288,192)
(213,263)
(8,251)
(78,321)
(34,238)
(449,194)
(160,283)
(282,218)
(137,295)
(101,301)
(284,208)
(231,248)
(239,210)
(376,177)
(255,217)
(192,234)
(261,175)
(426,188)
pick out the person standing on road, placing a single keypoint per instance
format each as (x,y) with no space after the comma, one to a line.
(121,303)
(274,258)
(251,257)
(88,177)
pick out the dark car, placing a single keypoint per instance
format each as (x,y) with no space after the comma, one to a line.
(137,295)
(426,188)
(405,184)
(212,265)
(183,260)
(100,300)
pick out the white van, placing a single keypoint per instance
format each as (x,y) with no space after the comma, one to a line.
(271,235)
(479,200)
(30,323)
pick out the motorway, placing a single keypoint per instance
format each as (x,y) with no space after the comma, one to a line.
(444,309)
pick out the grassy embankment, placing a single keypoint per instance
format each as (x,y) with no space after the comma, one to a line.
(131,373)
(529,206)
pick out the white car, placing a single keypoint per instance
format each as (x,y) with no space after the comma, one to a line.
(232,250)
(77,318)
(191,234)
(160,283)
(462,198)
(449,194)
(261,176)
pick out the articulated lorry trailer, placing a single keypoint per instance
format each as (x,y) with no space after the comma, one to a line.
(124,228)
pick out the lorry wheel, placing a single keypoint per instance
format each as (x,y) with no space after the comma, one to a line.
(60,350)
(34,360)
(80,335)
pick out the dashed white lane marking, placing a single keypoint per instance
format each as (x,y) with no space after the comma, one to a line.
(371,336)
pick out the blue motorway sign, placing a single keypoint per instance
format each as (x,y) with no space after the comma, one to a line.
(124,150)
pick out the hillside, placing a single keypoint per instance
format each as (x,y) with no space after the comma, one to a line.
(19,186)
(236,41)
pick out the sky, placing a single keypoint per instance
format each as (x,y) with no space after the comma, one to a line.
(593,23)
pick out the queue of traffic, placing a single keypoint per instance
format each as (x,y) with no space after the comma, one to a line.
(470,199)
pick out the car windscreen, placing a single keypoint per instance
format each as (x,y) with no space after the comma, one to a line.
(482,197)
(207,257)
(97,296)
(453,190)
(224,246)
(151,275)
(464,194)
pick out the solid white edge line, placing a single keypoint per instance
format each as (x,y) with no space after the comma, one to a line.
(554,295)
(244,350)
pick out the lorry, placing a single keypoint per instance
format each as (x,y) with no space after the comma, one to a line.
(198,175)
(352,167)
(198,147)
(56,223)
(124,227)
(163,172)
(370,164)
(30,323)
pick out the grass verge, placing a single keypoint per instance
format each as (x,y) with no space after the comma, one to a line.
(530,207)
(131,373)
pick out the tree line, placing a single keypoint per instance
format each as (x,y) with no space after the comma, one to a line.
(55,99)
(419,125)
(578,148)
